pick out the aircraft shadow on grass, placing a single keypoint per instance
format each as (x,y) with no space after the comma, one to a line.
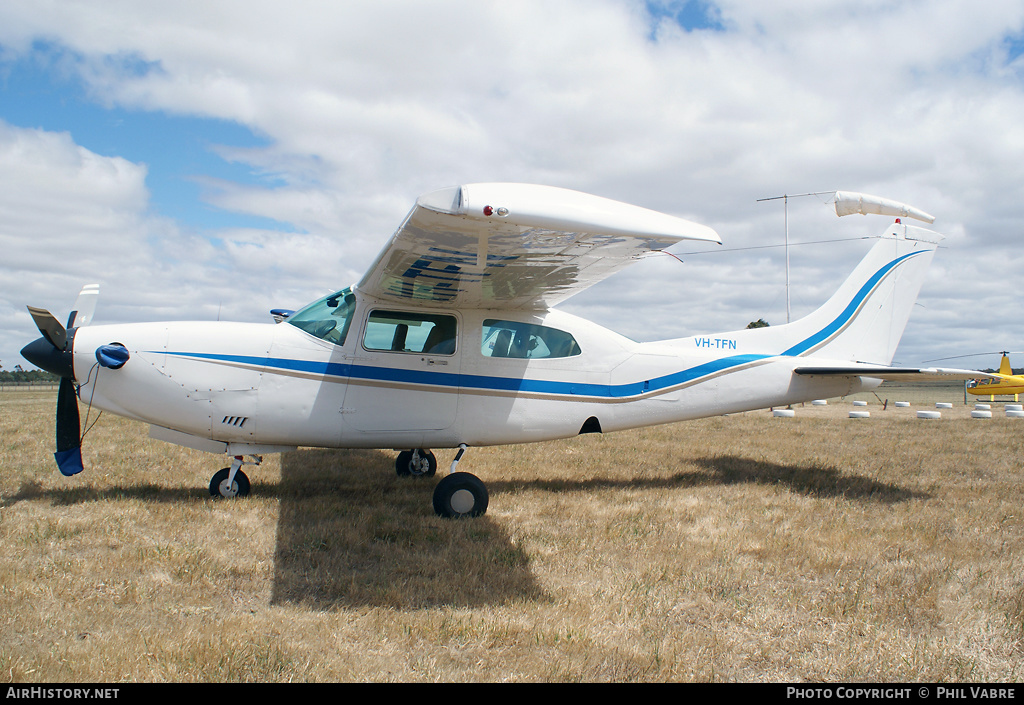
(810,480)
(358,537)
(352,533)
(361,537)
(33,490)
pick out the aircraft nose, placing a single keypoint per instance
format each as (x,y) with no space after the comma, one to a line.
(45,355)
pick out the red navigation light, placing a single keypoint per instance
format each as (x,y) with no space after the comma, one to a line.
(488,210)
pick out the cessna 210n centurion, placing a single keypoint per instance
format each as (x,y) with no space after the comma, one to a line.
(451,340)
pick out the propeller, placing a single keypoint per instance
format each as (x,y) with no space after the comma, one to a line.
(54,352)
(69,440)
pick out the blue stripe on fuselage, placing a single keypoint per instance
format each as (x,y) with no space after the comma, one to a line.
(537,386)
(481,382)
(849,312)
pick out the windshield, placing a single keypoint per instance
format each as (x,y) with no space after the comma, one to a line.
(329,318)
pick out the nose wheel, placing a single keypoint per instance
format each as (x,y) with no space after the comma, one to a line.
(221,486)
(232,482)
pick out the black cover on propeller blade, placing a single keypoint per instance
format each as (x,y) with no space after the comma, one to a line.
(50,327)
(69,438)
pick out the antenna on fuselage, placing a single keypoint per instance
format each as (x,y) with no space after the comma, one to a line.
(785,200)
(848,203)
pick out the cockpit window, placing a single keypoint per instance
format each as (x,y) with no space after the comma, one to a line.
(525,340)
(402,331)
(329,318)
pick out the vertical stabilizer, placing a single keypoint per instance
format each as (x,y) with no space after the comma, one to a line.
(864,320)
(1004,366)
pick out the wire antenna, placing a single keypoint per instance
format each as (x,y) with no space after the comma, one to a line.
(785,201)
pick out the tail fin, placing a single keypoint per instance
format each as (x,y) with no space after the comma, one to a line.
(1004,366)
(864,320)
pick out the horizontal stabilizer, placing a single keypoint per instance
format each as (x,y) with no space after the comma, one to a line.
(917,374)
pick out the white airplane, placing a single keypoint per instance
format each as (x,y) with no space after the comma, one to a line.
(451,340)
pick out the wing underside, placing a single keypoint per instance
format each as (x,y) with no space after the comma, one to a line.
(515,246)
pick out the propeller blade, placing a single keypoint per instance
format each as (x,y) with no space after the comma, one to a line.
(69,438)
(50,327)
(85,306)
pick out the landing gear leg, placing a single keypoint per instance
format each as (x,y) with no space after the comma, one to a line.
(460,494)
(232,482)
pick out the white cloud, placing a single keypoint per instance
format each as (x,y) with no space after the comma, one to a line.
(70,217)
(366,105)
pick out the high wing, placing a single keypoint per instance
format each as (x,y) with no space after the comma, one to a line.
(891,374)
(515,246)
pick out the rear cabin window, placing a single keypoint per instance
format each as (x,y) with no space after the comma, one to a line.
(510,339)
(400,331)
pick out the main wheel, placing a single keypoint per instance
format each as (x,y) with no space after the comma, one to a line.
(460,495)
(219,484)
(424,466)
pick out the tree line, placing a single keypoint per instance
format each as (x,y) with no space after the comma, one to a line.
(20,376)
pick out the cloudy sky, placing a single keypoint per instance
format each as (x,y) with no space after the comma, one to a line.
(204,160)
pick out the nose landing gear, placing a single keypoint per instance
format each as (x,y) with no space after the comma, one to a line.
(232,482)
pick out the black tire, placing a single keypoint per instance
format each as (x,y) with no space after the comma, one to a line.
(460,495)
(219,484)
(426,467)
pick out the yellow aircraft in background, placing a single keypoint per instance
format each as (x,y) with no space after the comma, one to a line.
(1005,383)
(1001,383)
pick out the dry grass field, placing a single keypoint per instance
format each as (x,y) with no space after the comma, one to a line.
(741,548)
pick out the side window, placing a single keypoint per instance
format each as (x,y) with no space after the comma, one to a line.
(525,340)
(401,331)
(329,318)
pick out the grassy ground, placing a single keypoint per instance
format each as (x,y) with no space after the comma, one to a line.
(740,548)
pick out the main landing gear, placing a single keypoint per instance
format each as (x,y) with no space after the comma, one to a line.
(458,494)
(232,482)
